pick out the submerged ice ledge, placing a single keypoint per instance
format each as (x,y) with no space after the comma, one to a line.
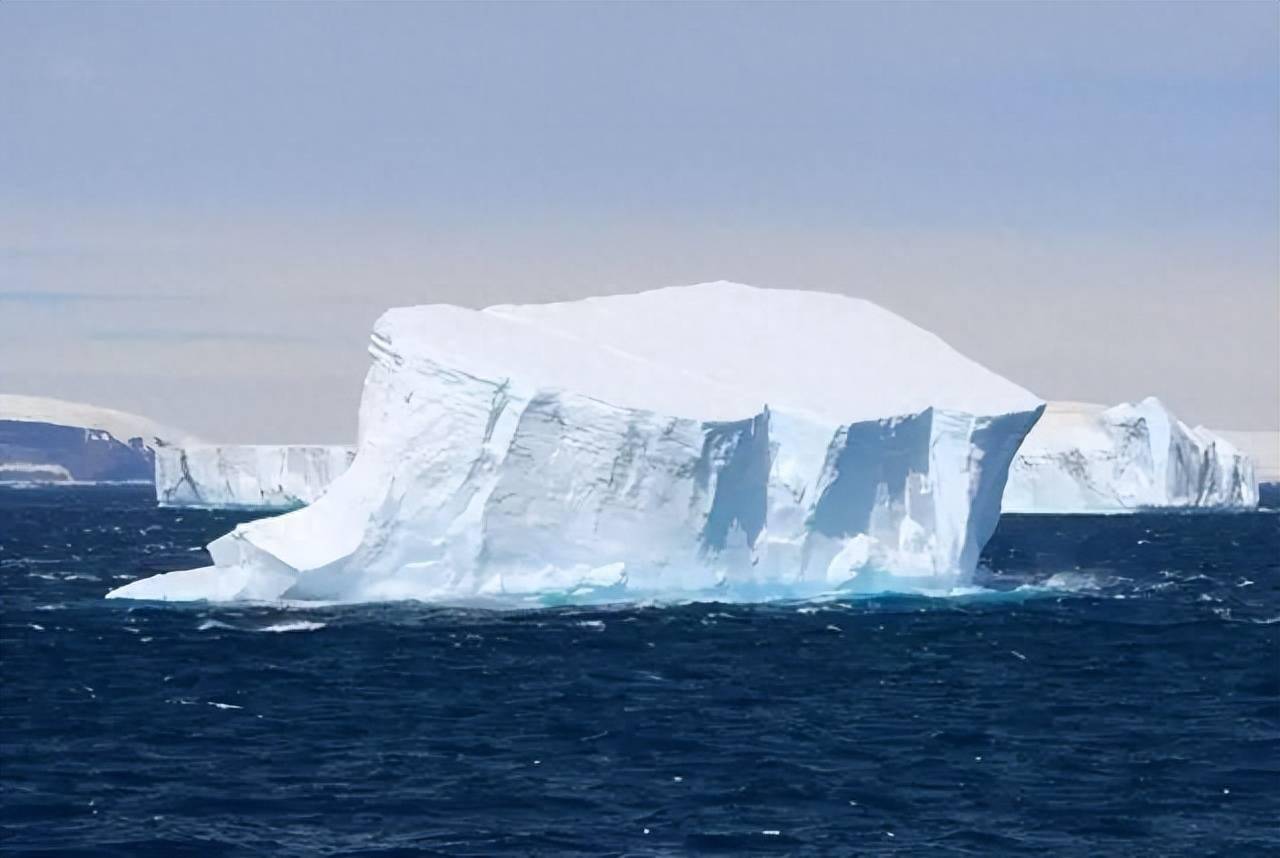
(233,584)
(714,439)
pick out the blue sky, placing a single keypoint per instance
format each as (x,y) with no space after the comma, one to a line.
(218,199)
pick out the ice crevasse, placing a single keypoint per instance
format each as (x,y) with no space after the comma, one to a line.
(717,441)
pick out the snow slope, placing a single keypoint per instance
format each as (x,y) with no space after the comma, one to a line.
(1083,457)
(247,476)
(711,440)
(51,440)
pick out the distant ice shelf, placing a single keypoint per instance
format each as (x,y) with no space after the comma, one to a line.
(711,441)
(247,476)
(1085,458)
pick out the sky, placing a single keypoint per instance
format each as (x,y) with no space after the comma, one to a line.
(204,207)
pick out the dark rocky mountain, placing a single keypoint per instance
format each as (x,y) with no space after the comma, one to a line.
(50,441)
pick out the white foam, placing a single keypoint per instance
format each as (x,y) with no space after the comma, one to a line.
(294,626)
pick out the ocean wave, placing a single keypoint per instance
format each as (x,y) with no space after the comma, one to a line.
(293,626)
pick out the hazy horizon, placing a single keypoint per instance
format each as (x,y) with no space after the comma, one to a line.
(203,208)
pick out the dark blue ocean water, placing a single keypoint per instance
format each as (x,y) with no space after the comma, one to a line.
(1126,703)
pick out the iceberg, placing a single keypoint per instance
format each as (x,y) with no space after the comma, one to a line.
(1086,458)
(44,440)
(247,476)
(710,441)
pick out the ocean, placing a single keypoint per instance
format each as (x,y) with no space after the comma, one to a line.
(1114,689)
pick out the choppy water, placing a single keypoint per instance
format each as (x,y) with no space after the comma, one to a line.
(1118,694)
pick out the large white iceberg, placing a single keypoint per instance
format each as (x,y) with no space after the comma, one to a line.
(1084,458)
(247,476)
(705,441)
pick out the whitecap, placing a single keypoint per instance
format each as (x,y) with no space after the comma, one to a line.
(295,626)
(1071,581)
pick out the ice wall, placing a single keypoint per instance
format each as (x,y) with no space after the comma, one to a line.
(1262,447)
(1084,458)
(710,441)
(247,476)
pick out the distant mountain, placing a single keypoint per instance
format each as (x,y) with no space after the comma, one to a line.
(46,440)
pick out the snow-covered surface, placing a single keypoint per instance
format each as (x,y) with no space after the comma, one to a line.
(46,440)
(706,441)
(832,356)
(247,476)
(1260,446)
(1083,458)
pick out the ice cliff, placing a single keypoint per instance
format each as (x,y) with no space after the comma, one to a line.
(247,476)
(715,440)
(1261,446)
(46,440)
(1088,458)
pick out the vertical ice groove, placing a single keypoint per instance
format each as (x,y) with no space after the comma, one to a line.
(737,455)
